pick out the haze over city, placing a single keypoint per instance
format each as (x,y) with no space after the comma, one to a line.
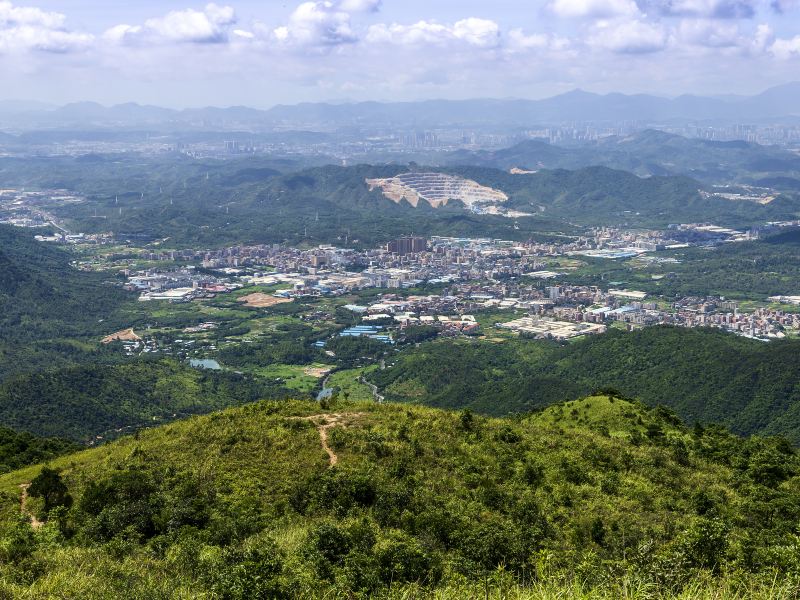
(183,54)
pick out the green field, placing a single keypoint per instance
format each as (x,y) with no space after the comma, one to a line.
(292,376)
(347,381)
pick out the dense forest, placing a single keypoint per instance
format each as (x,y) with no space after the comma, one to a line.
(86,401)
(42,295)
(21,448)
(597,498)
(50,310)
(704,375)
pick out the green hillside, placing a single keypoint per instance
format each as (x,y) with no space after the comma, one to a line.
(49,310)
(108,400)
(42,295)
(704,375)
(597,498)
(216,203)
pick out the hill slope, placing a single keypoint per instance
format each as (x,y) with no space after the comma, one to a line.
(41,294)
(649,153)
(600,493)
(49,309)
(704,375)
(93,401)
(196,204)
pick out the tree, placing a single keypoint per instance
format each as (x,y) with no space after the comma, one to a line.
(49,486)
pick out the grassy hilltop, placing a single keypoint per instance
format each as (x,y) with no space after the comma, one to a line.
(600,497)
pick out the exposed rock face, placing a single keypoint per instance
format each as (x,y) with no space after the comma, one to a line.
(436,189)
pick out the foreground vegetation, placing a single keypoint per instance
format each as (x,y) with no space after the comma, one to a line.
(595,498)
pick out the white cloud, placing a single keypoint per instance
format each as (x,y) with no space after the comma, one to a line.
(518,40)
(717,9)
(17,16)
(29,28)
(477,32)
(786,48)
(629,37)
(473,31)
(180,26)
(422,32)
(763,38)
(319,24)
(709,33)
(27,37)
(593,9)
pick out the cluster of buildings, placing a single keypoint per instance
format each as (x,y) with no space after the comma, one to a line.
(409,261)
(475,275)
(442,312)
(590,305)
(179,285)
(23,208)
(547,327)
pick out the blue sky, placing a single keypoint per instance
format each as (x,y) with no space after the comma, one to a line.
(260,53)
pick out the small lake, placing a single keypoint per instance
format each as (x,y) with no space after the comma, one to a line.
(205,363)
(325,393)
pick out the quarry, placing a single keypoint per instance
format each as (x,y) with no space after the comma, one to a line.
(437,189)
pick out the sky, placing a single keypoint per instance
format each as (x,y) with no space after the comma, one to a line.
(265,52)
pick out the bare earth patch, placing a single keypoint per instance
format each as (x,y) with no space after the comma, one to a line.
(316,371)
(126,335)
(261,300)
(23,506)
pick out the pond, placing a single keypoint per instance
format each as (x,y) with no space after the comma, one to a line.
(205,363)
(325,393)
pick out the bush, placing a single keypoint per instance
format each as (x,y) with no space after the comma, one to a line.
(402,559)
(252,572)
(48,485)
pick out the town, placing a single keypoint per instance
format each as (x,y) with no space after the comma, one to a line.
(442,282)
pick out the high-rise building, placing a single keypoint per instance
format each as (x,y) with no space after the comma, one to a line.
(407,245)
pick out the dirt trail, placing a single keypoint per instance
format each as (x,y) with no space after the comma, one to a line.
(23,506)
(327,421)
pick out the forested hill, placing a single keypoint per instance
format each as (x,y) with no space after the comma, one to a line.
(241,201)
(21,448)
(704,375)
(652,153)
(42,295)
(90,402)
(334,203)
(592,498)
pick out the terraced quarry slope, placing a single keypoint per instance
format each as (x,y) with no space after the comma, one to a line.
(599,496)
(437,189)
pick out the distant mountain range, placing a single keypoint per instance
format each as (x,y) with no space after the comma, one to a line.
(576,106)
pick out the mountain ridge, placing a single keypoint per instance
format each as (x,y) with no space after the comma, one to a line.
(575,105)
